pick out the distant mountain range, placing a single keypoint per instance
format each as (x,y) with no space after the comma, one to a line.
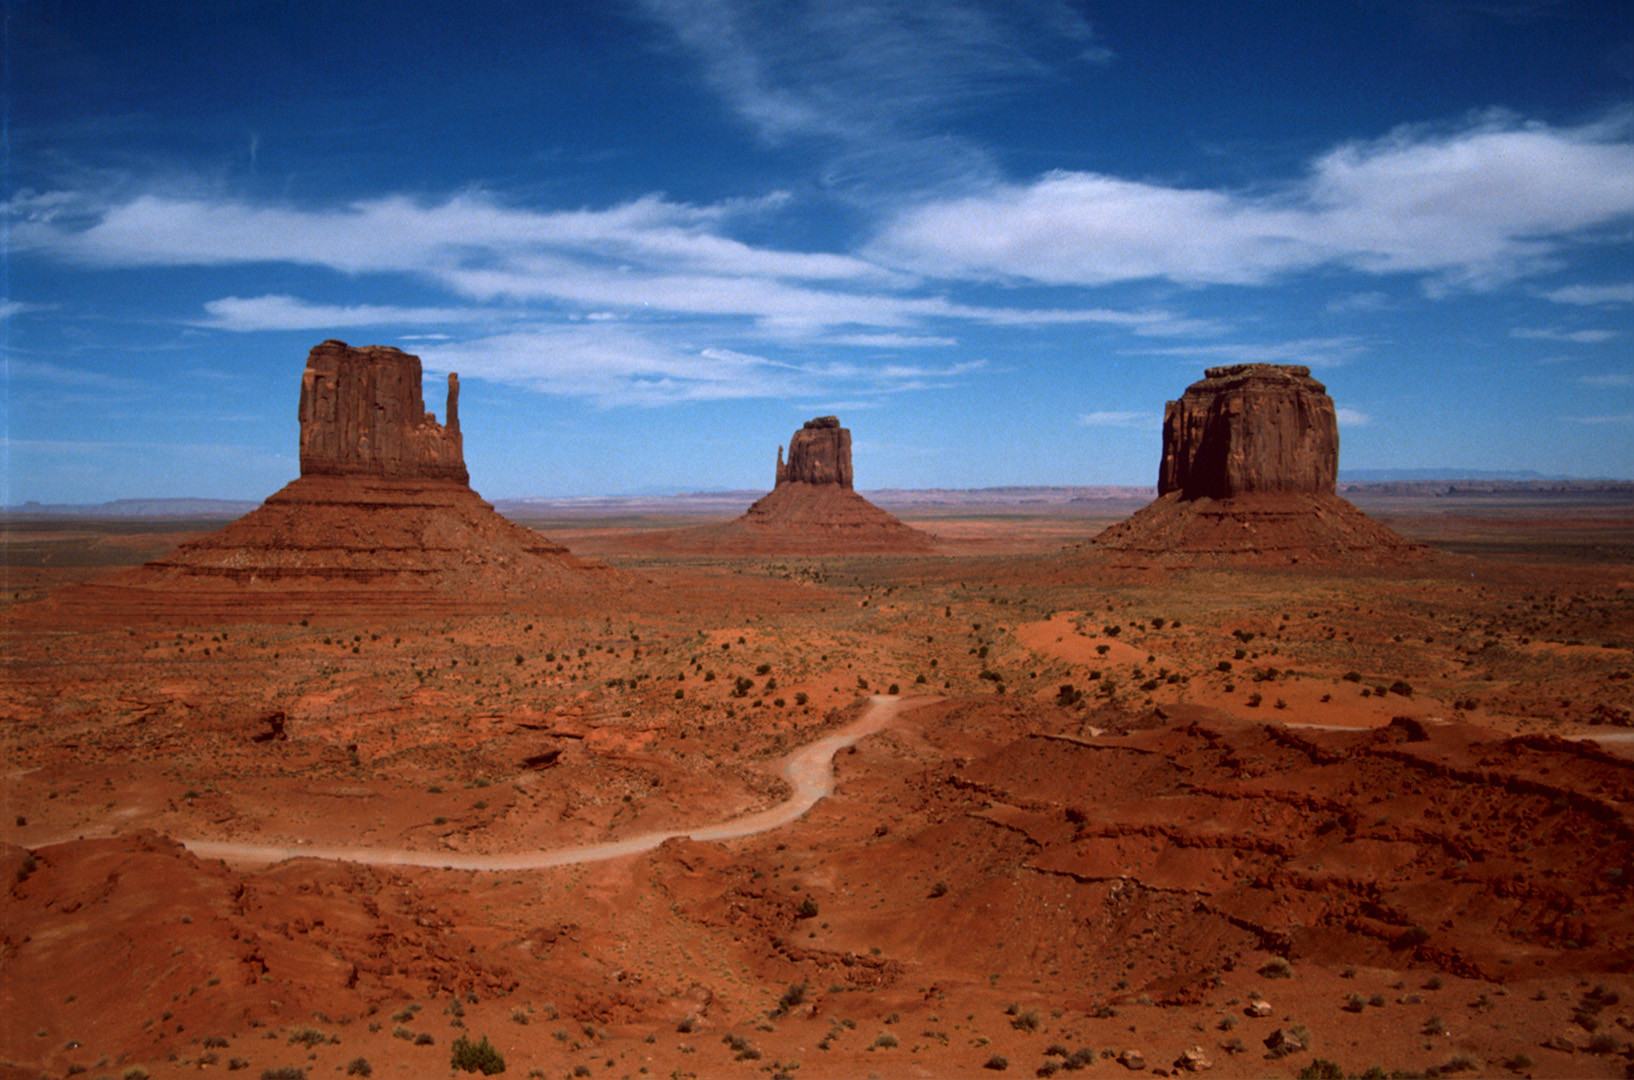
(1358,481)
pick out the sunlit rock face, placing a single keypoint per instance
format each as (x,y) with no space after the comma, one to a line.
(819,453)
(362,414)
(1248,429)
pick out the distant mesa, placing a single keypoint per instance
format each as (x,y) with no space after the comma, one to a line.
(382,517)
(1249,467)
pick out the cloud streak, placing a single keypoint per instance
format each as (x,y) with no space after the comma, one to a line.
(1493,202)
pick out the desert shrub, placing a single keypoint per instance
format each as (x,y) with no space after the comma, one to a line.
(214,1042)
(283,1072)
(998,1063)
(1519,1063)
(1254,700)
(1402,687)
(893,689)
(1025,1020)
(793,996)
(1435,1026)
(938,889)
(134,1072)
(1355,1003)
(424,1039)
(1353,676)
(1223,665)
(1322,1069)
(807,909)
(885,1040)
(359,1067)
(308,1036)
(401,1032)
(801,698)
(1461,1063)
(1604,1044)
(477,1056)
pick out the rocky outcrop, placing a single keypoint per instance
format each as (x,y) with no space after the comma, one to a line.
(812,510)
(1250,460)
(1250,428)
(362,415)
(819,453)
(382,518)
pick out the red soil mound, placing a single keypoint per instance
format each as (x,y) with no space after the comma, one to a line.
(1264,528)
(799,518)
(366,545)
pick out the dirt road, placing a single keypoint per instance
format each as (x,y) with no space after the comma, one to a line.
(809,769)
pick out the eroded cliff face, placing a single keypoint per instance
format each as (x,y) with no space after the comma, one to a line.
(819,453)
(362,414)
(1247,429)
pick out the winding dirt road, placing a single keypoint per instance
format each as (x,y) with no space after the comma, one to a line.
(809,769)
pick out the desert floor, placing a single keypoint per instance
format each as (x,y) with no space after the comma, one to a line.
(1377,817)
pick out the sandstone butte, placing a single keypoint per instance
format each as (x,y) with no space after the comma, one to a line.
(812,509)
(382,518)
(1250,462)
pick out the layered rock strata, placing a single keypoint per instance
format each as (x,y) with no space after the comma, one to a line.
(1250,461)
(811,510)
(382,517)
(1250,428)
(362,415)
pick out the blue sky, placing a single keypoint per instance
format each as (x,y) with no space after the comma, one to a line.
(655,236)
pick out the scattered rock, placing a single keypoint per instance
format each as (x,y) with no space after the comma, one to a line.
(1284,1041)
(1258,1008)
(1194,1060)
(1561,1043)
(1132,1060)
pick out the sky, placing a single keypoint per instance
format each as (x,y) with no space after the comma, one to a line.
(655,236)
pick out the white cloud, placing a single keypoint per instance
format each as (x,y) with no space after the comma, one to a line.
(1618,379)
(613,365)
(1121,419)
(1577,337)
(1593,295)
(290,313)
(1349,417)
(1477,207)
(9,308)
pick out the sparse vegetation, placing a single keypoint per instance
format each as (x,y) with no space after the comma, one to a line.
(479,1056)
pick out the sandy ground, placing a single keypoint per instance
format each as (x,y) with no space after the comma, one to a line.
(1124,807)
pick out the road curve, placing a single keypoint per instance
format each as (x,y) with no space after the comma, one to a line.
(809,769)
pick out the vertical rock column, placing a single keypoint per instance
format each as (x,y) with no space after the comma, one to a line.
(819,453)
(362,414)
(1250,428)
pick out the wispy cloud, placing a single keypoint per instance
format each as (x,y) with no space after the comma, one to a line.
(277,312)
(614,365)
(877,81)
(1576,337)
(1121,419)
(1618,379)
(1491,202)
(1593,295)
(51,374)
(9,308)
(1349,417)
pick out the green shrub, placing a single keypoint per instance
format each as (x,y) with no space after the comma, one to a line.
(1322,1069)
(998,1063)
(359,1067)
(477,1056)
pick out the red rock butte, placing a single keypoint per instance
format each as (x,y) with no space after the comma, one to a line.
(381,521)
(811,509)
(1250,462)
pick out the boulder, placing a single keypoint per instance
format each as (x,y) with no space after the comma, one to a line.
(1250,428)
